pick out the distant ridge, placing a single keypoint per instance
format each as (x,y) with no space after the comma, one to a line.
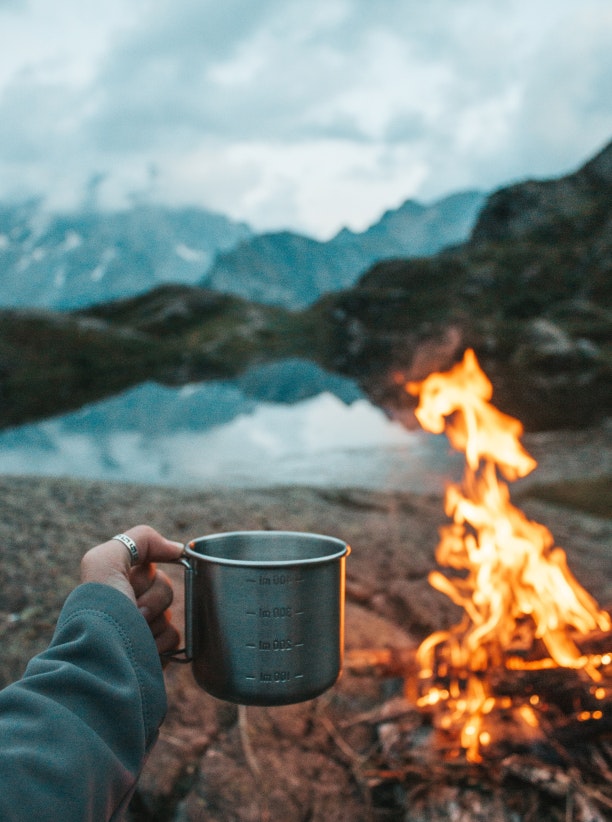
(72,261)
(291,270)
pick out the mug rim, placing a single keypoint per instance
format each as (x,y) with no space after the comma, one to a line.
(343,549)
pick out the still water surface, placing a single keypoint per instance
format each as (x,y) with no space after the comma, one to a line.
(289,423)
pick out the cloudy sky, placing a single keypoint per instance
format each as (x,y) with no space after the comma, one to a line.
(301,114)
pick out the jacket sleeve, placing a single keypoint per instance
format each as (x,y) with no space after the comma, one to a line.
(76,729)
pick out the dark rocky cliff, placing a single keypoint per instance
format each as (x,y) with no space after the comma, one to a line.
(531,291)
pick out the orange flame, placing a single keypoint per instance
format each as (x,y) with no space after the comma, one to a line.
(512,572)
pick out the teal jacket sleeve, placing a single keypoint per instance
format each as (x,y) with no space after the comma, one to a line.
(75,731)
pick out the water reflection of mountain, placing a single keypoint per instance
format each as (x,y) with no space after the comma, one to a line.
(288,422)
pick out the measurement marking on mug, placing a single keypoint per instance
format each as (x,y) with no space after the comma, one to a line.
(277,579)
(275,645)
(285,612)
(273,677)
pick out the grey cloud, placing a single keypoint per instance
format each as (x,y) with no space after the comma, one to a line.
(565,114)
(33,119)
(154,86)
(407,126)
(160,86)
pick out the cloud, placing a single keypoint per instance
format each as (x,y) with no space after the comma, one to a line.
(309,119)
(235,70)
(569,93)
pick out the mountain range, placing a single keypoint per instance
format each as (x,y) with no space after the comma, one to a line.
(293,271)
(75,260)
(530,290)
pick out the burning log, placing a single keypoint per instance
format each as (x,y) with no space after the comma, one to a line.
(403,662)
(385,663)
(581,708)
(549,744)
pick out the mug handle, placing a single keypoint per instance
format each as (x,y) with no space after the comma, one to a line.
(184,655)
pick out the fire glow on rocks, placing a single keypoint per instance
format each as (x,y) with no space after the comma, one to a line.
(523,609)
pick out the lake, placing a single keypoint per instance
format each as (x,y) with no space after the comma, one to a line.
(286,423)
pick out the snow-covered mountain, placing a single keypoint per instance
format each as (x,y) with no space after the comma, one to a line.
(73,260)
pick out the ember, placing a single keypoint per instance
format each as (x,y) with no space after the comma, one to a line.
(523,608)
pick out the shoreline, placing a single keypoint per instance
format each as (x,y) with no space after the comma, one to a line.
(565,454)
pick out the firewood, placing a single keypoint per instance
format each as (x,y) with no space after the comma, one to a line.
(381,662)
(557,685)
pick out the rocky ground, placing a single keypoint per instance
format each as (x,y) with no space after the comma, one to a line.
(313,761)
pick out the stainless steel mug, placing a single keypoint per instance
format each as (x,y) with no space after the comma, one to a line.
(264,614)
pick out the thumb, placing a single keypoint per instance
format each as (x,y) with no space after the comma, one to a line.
(110,562)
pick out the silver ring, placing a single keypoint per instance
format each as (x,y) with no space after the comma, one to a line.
(130,545)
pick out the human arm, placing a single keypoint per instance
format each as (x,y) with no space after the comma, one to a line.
(76,729)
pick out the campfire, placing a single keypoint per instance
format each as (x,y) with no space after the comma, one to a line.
(523,608)
(519,691)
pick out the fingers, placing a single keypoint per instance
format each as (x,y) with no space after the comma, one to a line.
(156,597)
(165,634)
(141,578)
(153,597)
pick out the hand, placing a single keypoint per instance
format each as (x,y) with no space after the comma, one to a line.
(149,589)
